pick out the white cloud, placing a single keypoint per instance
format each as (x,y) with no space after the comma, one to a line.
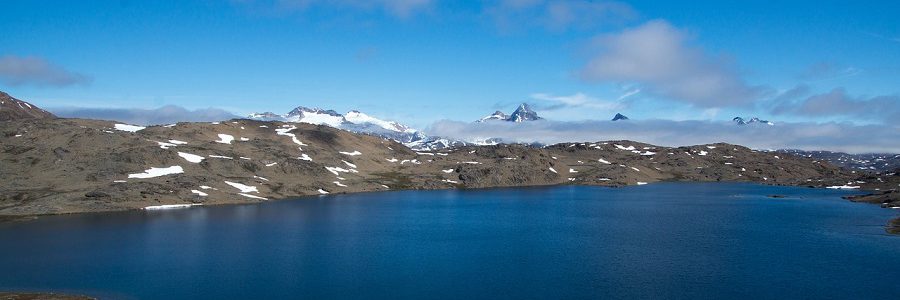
(575,101)
(825,70)
(31,70)
(629,93)
(660,58)
(837,102)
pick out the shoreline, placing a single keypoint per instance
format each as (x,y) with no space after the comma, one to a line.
(37,295)
(891,227)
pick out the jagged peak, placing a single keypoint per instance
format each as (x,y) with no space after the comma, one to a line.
(524,113)
(619,116)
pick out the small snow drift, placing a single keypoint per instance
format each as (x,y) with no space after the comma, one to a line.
(225,138)
(170,206)
(191,157)
(243,188)
(129,128)
(156,172)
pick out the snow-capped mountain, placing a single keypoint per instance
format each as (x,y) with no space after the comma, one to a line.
(266,116)
(754,120)
(522,114)
(353,121)
(497,115)
(619,116)
(316,116)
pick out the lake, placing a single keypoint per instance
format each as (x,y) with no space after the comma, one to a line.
(665,240)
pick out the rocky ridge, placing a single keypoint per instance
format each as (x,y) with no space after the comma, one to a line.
(15,109)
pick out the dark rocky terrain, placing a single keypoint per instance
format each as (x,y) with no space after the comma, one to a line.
(867,162)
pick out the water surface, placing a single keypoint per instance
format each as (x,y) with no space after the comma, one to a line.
(669,240)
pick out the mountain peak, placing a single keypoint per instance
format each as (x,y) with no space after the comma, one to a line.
(523,113)
(497,115)
(300,110)
(753,120)
(619,117)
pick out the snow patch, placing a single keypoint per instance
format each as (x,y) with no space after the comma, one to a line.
(620,147)
(169,206)
(129,128)
(252,196)
(243,188)
(191,157)
(843,187)
(225,138)
(349,164)
(156,172)
(165,145)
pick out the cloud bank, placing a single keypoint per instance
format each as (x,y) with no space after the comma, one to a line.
(163,115)
(843,137)
(661,59)
(31,70)
(884,108)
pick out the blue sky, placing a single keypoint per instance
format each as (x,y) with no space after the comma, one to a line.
(419,61)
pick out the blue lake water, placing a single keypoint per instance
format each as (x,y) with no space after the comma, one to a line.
(668,240)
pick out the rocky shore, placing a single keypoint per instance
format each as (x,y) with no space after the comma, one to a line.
(40,296)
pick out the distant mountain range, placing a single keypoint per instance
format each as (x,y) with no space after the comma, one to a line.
(353,121)
(752,121)
(358,122)
(523,113)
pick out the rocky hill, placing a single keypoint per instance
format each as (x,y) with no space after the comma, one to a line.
(74,165)
(15,109)
(865,162)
